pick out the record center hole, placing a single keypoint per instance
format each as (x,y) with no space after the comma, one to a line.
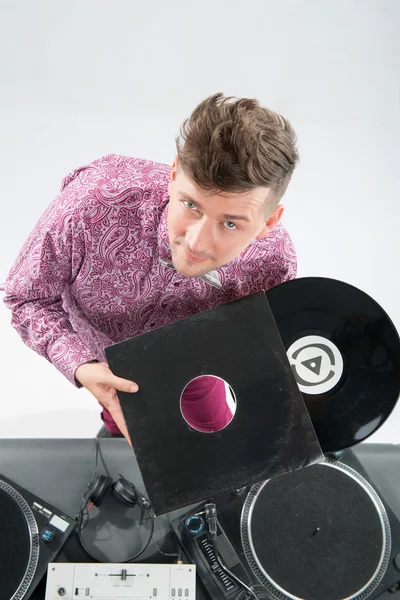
(208,403)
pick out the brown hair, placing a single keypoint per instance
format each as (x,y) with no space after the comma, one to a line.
(235,145)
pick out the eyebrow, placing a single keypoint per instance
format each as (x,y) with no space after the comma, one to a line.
(226,217)
(235,218)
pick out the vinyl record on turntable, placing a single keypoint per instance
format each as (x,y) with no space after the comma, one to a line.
(19,547)
(345,355)
(318,533)
(32,533)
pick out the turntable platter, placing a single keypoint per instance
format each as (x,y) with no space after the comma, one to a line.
(19,543)
(320,532)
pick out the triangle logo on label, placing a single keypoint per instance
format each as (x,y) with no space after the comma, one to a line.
(314,364)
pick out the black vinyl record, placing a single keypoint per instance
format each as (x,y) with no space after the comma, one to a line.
(345,355)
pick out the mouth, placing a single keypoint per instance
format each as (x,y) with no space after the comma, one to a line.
(193,258)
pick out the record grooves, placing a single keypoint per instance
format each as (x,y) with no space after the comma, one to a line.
(345,355)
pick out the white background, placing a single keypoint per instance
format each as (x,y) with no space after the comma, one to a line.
(81,79)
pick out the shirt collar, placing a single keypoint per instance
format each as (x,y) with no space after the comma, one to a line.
(212,277)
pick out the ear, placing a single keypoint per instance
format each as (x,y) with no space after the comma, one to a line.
(271,222)
(174,170)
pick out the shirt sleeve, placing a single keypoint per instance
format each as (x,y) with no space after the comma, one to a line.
(49,261)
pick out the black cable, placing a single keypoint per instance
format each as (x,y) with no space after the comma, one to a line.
(141,551)
(83,514)
(83,510)
(102,458)
(177,556)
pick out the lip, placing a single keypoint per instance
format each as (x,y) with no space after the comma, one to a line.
(194,259)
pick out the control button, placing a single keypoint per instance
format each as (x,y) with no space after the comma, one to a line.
(396,561)
(47,535)
(180,592)
(61,591)
(154,592)
(195,524)
(187,592)
(173,592)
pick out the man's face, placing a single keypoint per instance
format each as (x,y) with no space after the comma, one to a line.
(208,231)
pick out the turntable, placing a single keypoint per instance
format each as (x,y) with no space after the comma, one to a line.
(32,533)
(322,532)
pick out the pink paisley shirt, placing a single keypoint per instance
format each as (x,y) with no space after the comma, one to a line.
(97,268)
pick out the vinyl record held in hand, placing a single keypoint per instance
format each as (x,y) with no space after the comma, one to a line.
(345,355)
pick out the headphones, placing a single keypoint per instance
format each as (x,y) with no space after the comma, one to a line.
(124,491)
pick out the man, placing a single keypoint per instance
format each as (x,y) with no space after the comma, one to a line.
(130,245)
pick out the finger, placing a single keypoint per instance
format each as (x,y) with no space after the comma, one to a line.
(123,429)
(108,399)
(119,419)
(111,403)
(120,384)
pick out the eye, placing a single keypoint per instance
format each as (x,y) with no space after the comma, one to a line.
(230,225)
(189,205)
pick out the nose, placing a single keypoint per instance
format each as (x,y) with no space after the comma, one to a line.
(199,237)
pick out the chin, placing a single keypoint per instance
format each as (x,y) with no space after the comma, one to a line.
(188,270)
